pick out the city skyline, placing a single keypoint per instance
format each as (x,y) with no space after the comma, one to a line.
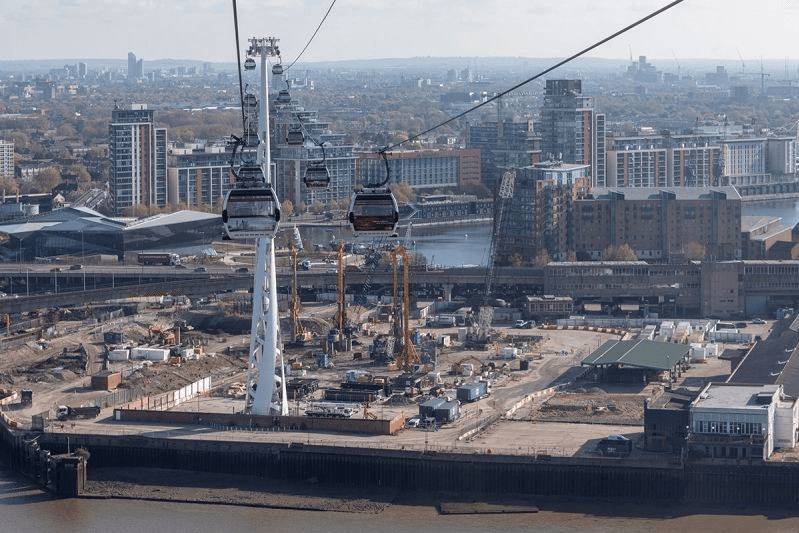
(47,29)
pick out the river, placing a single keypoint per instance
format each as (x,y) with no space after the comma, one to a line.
(26,509)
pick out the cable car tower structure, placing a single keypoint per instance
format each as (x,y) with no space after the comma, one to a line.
(259,215)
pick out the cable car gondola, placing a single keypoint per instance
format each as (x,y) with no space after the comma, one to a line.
(249,64)
(277,69)
(373,212)
(283,97)
(252,209)
(294,136)
(317,176)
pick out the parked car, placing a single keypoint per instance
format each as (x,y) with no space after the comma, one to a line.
(76,267)
(412,422)
(201,269)
(242,270)
(758,321)
(182,267)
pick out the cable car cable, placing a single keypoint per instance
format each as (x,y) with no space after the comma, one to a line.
(311,39)
(542,73)
(238,61)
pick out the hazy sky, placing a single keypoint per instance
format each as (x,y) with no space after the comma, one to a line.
(367,29)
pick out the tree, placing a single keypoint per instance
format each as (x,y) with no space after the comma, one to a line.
(46,180)
(318,207)
(287,208)
(403,192)
(8,185)
(542,258)
(695,251)
(621,252)
(301,207)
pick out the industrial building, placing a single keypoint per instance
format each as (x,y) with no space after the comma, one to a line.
(637,361)
(741,422)
(81,232)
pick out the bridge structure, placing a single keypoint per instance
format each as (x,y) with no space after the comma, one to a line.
(725,289)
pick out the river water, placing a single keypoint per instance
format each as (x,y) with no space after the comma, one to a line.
(454,246)
(25,509)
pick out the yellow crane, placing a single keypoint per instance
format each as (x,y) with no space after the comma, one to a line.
(299,333)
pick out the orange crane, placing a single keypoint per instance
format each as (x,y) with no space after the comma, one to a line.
(408,356)
(341,311)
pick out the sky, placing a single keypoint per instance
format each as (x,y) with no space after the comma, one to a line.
(375,29)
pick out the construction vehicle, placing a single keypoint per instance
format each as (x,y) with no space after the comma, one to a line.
(329,410)
(65,412)
(158,258)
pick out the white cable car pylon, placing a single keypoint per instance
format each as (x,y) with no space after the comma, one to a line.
(252,210)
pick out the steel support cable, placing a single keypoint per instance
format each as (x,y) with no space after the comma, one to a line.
(312,37)
(542,73)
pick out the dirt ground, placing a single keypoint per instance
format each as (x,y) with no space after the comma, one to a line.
(60,377)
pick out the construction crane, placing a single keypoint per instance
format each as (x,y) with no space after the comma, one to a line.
(299,334)
(743,65)
(479,336)
(341,304)
(402,323)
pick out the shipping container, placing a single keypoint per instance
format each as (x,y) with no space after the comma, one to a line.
(446,412)
(427,409)
(472,392)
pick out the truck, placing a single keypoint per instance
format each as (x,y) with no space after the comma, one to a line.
(158,258)
(65,412)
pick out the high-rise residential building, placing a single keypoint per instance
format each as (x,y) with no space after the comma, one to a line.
(539,214)
(503,145)
(571,130)
(6,158)
(135,68)
(637,162)
(138,159)
(320,144)
(198,174)
(423,169)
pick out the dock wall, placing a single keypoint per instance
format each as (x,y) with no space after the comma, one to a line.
(713,484)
